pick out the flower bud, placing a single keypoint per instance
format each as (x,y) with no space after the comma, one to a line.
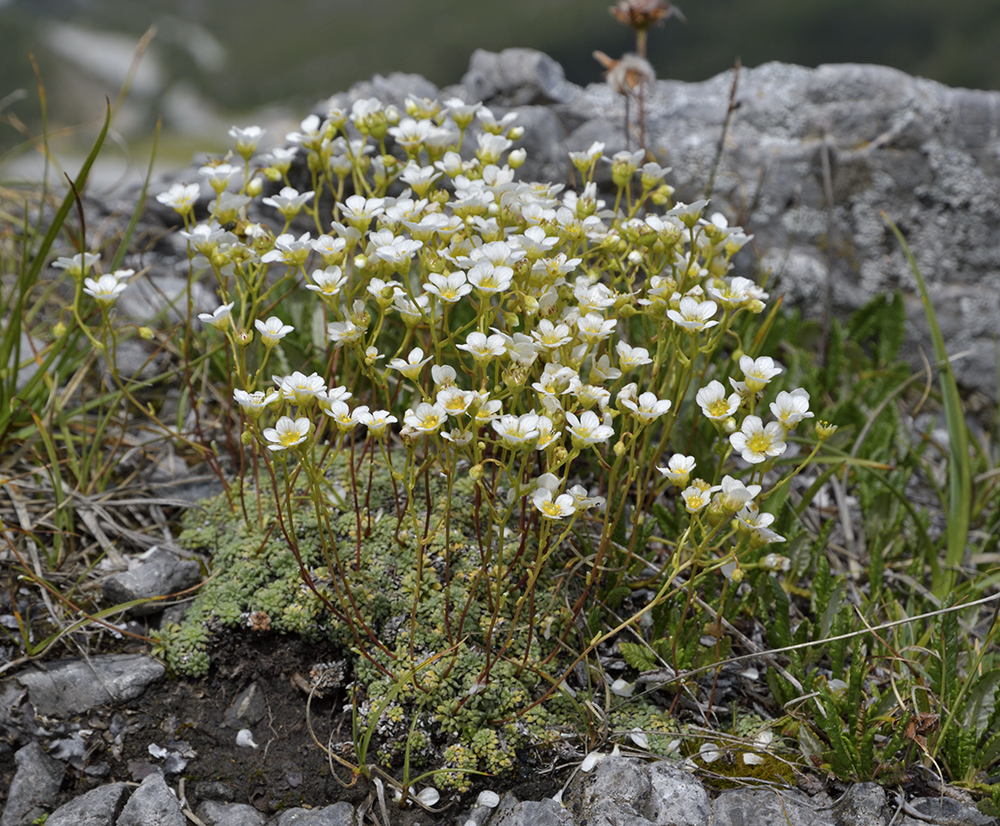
(620,448)
(517,158)
(145,333)
(476,472)
(824,430)
(246,437)
(255,186)
(516,133)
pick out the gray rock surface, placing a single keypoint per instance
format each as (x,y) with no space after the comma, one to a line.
(676,797)
(163,573)
(944,811)
(152,804)
(247,709)
(34,787)
(73,686)
(339,814)
(213,813)
(512,812)
(863,804)
(98,807)
(765,807)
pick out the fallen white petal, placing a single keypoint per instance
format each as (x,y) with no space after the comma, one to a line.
(245,739)
(638,736)
(429,796)
(752,759)
(709,752)
(156,751)
(591,760)
(622,688)
(488,799)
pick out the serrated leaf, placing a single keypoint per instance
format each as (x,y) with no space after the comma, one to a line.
(638,656)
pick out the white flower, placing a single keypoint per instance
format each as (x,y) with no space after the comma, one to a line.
(341,414)
(180,197)
(328,283)
(602,371)
(412,366)
(758,372)
(398,254)
(247,139)
(592,298)
(343,332)
(300,388)
(591,395)
(582,501)
(385,292)
(455,401)
(735,495)
(757,443)
(593,328)
(289,250)
(694,315)
(483,348)
(547,434)
(630,357)
(218,318)
(516,431)
(713,401)
(695,498)
(253,403)
(272,330)
(426,418)
(550,336)
(791,408)
(78,264)
(555,380)
(106,288)
(376,421)
(287,433)
(491,147)
(735,293)
(359,211)
(289,201)
(329,248)
(443,375)
(678,469)
(588,429)
(759,526)
(648,409)
(488,409)
(449,288)
(488,279)
(553,508)
(220,175)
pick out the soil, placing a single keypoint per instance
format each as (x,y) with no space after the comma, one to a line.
(286,770)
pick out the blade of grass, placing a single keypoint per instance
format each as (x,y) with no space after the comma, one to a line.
(959,470)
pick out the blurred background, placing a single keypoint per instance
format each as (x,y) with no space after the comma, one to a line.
(213,63)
